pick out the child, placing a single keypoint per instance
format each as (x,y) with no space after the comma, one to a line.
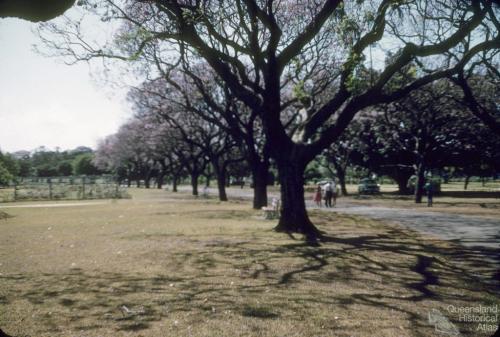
(317,196)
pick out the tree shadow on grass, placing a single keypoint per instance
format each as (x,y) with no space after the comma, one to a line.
(259,312)
(381,273)
(5,216)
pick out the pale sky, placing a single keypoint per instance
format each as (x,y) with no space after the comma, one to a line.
(44,102)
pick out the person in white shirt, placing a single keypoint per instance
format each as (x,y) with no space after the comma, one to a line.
(334,192)
(328,194)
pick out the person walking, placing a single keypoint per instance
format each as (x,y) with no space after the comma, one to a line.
(328,194)
(318,196)
(334,192)
(430,192)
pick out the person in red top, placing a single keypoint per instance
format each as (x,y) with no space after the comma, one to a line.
(317,196)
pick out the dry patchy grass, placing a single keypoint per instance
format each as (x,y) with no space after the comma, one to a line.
(168,265)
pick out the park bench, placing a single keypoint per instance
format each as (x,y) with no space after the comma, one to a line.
(273,211)
(205,192)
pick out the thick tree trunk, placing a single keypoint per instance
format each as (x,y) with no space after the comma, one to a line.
(221,185)
(341,175)
(401,177)
(138,183)
(220,175)
(402,182)
(419,184)
(160,180)
(293,216)
(466,183)
(174,183)
(194,183)
(260,172)
(148,175)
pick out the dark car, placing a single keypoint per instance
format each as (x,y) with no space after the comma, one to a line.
(368,186)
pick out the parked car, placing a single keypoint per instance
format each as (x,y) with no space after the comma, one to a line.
(368,186)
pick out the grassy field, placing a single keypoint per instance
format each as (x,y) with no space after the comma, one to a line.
(6,194)
(169,265)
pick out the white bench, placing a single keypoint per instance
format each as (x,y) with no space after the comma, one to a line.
(272,212)
(205,192)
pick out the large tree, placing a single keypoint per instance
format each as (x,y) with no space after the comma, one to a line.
(129,151)
(202,141)
(425,131)
(423,125)
(480,94)
(295,64)
(220,108)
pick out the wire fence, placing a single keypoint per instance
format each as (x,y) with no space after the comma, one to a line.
(63,188)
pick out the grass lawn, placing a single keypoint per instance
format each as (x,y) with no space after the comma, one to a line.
(6,194)
(162,264)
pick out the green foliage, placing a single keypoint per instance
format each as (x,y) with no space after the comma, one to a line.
(313,171)
(82,165)
(5,175)
(44,163)
(8,169)
(65,168)
(9,163)
(300,93)
(25,168)
(46,170)
(403,77)
(360,77)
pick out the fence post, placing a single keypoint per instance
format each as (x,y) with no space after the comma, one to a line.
(50,189)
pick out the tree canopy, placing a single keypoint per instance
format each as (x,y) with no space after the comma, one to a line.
(304,68)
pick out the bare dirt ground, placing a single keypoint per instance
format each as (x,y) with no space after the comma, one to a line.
(171,265)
